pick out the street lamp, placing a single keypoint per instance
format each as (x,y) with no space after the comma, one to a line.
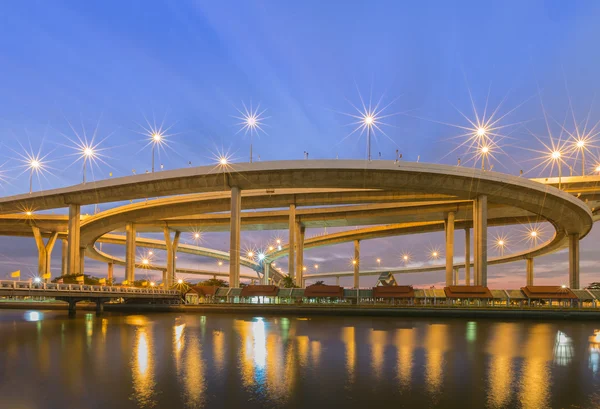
(379,263)
(157,139)
(580,144)
(484,152)
(368,121)
(555,155)
(34,166)
(88,154)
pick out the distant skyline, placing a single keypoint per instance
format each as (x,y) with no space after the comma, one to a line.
(109,69)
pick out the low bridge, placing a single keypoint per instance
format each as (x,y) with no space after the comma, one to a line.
(73,293)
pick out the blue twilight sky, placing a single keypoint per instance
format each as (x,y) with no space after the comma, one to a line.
(108,67)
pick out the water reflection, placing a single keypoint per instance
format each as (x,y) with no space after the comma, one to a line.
(435,343)
(194,374)
(142,365)
(534,382)
(185,361)
(563,349)
(377,341)
(350,342)
(502,349)
(404,348)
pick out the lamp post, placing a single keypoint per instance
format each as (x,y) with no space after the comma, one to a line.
(34,166)
(156,139)
(88,154)
(581,146)
(556,157)
(368,121)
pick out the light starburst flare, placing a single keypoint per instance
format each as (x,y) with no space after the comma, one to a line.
(252,122)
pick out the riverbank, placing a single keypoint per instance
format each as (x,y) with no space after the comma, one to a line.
(328,310)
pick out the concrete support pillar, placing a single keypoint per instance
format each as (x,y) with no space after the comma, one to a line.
(44,251)
(292,243)
(529,266)
(449,248)
(234,238)
(171,255)
(82,260)
(467,256)
(130,253)
(356,263)
(480,238)
(337,280)
(266,270)
(165,278)
(64,258)
(73,238)
(456,275)
(574,261)
(111,273)
(300,230)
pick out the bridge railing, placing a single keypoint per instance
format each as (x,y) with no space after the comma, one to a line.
(31,286)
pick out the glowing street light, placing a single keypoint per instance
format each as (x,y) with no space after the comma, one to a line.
(152,283)
(250,254)
(598,168)
(223,160)
(481,132)
(379,263)
(180,281)
(580,144)
(252,122)
(145,261)
(88,154)
(316,266)
(556,157)
(35,165)
(156,139)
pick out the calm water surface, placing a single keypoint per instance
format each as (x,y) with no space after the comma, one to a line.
(224,361)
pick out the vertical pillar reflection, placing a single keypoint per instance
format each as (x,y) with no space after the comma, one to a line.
(348,336)
(503,350)
(436,342)
(404,349)
(142,366)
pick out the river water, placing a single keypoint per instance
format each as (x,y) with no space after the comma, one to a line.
(170,360)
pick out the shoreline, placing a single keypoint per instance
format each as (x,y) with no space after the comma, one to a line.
(321,310)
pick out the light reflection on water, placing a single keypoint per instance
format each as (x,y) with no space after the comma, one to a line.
(188,361)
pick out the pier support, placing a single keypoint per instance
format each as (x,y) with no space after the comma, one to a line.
(300,230)
(44,251)
(234,238)
(480,238)
(529,267)
(292,243)
(64,267)
(110,274)
(130,253)
(449,224)
(467,256)
(266,271)
(574,261)
(82,260)
(171,255)
(456,275)
(356,263)
(73,234)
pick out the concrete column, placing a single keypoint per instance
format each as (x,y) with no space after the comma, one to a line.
(266,267)
(456,275)
(44,251)
(529,266)
(111,273)
(480,237)
(449,248)
(64,258)
(574,261)
(300,230)
(82,260)
(130,252)
(292,243)
(337,280)
(468,256)
(234,238)
(73,238)
(171,255)
(356,265)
